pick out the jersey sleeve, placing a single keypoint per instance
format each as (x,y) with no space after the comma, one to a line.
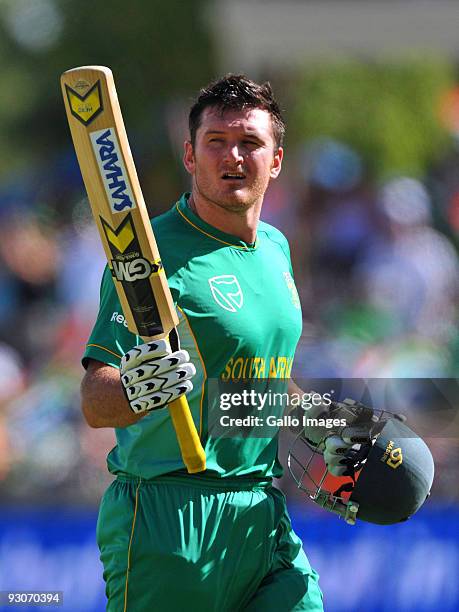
(110,337)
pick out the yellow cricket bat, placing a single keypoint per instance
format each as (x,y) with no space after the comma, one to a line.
(117,203)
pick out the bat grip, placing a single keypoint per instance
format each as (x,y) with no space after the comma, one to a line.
(191,448)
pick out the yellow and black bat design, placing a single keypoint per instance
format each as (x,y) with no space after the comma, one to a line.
(117,203)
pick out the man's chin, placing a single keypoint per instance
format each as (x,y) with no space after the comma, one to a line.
(237,200)
(235,204)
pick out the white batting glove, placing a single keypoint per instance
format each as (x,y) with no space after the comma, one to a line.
(350,442)
(339,442)
(337,452)
(152,375)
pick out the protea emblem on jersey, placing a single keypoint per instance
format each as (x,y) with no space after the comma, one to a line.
(227,292)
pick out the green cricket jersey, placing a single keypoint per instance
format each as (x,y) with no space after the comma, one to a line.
(240,318)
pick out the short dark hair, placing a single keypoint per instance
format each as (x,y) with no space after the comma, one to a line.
(237,92)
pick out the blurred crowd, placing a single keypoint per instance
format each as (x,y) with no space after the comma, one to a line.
(376,266)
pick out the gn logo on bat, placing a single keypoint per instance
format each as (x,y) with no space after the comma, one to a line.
(112,170)
(134,270)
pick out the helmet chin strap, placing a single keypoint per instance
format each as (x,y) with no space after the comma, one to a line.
(347,510)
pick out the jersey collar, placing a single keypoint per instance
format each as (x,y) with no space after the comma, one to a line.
(209,230)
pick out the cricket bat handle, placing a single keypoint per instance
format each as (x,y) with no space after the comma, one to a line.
(191,448)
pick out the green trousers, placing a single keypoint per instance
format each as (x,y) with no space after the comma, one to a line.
(179,543)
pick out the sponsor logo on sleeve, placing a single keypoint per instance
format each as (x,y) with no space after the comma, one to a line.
(118,318)
(112,170)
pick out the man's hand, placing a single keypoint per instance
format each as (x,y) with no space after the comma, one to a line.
(351,419)
(348,443)
(152,375)
(340,443)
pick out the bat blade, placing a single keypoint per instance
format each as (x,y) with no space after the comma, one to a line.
(119,210)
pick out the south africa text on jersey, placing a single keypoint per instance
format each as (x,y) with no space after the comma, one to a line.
(239,368)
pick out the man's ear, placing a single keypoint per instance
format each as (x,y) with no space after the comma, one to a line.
(188,157)
(277,163)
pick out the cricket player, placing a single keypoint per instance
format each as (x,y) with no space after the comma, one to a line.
(221,539)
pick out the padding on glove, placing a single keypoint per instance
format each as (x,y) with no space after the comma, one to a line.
(152,375)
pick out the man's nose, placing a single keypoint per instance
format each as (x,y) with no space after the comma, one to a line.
(233,154)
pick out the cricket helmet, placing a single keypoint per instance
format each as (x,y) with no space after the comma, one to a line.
(386,481)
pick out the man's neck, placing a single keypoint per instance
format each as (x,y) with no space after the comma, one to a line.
(243,225)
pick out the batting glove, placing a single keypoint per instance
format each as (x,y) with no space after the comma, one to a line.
(152,375)
(349,442)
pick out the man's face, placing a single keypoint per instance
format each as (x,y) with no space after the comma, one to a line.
(234,157)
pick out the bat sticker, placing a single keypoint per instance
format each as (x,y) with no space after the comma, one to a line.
(112,170)
(85,107)
(129,267)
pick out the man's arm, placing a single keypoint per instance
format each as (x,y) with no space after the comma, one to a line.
(152,376)
(103,401)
